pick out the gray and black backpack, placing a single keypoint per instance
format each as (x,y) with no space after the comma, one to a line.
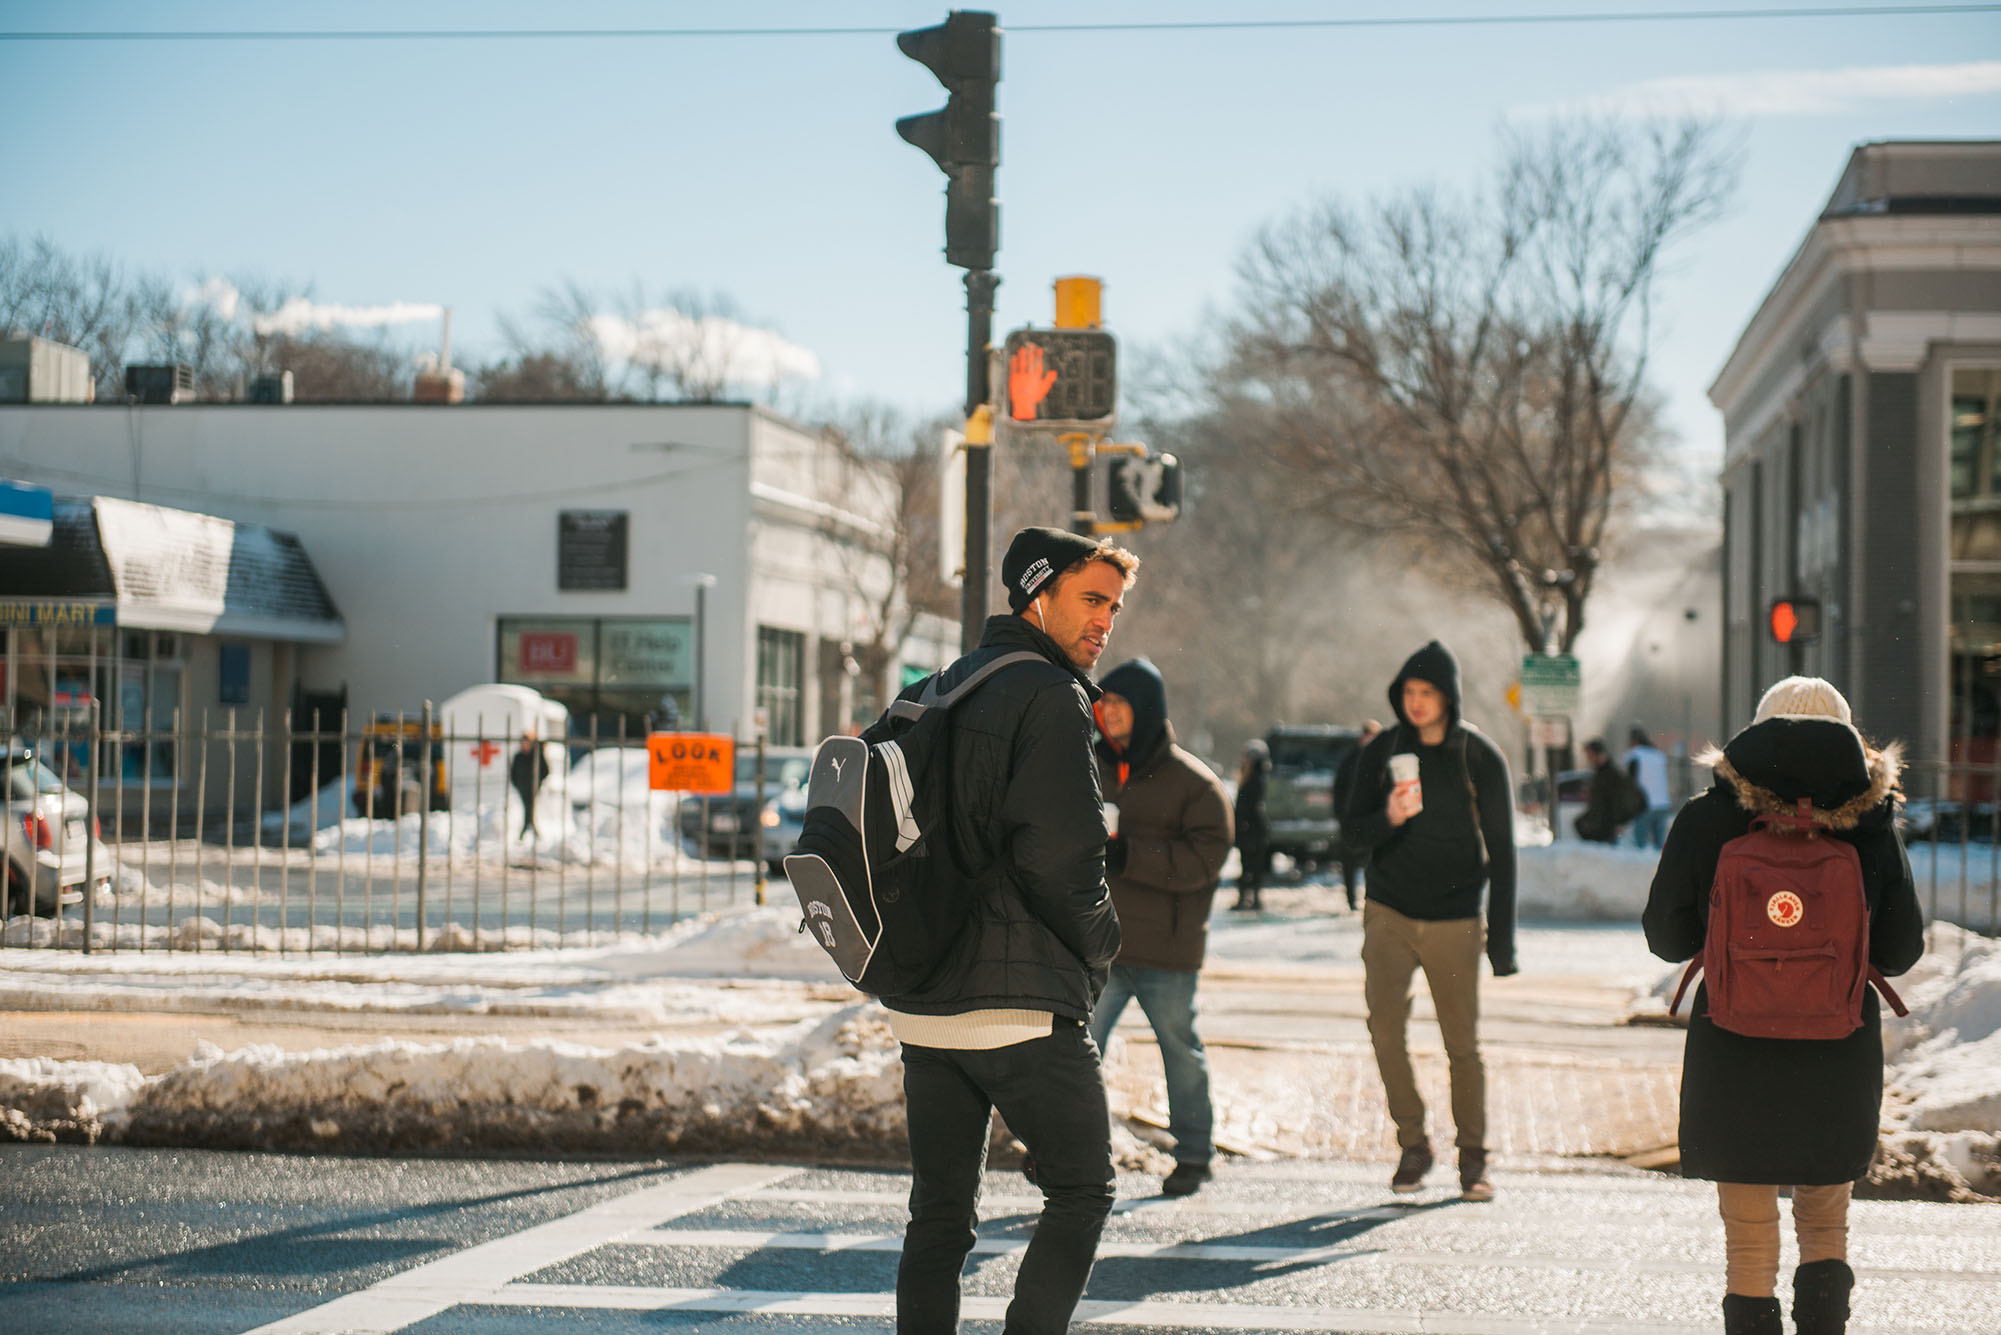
(879,883)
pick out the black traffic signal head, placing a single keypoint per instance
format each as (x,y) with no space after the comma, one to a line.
(1062,378)
(1795,620)
(1147,491)
(963,137)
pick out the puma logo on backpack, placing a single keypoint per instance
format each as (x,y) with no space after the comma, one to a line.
(878,885)
(1787,951)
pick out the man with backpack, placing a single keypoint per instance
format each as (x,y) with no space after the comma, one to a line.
(1002,1022)
(1788,883)
(1165,861)
(1611,800)
(1433,810)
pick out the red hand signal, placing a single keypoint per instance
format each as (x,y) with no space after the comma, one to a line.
(1028,383)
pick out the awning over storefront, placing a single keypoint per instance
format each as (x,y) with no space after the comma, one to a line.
(26,515)
(145,567)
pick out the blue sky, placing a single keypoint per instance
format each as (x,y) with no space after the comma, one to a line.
(474,174)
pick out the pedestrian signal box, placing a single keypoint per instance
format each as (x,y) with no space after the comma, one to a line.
(1795,620)
(1062,379)
(1147,490)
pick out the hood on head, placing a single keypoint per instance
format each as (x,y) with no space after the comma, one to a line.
(1433,664)
(1140,683)
(1770,766)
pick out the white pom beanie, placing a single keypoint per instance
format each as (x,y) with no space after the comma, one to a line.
(1806,698)
(1803,698)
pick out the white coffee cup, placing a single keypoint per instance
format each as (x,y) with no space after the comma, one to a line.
(1111,818)
(1403,773)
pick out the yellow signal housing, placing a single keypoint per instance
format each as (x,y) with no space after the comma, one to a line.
(1079,302)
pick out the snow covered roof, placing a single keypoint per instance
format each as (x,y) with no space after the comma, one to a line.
(178,570)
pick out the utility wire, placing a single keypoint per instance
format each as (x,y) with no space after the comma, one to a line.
(1217,25)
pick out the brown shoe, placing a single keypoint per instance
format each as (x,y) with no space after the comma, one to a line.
(1473,1182)
(1416,1162)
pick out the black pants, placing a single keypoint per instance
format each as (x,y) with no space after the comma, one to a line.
(1052,1094)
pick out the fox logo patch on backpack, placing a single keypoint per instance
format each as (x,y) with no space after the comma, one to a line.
(1787,951)
(878,885)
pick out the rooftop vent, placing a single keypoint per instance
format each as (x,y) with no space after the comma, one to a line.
(173,382)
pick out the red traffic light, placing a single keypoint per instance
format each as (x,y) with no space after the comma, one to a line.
(1795,620)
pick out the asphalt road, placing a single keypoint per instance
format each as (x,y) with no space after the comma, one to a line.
(183,1242)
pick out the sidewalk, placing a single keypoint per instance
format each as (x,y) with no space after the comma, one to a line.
(1293,1072)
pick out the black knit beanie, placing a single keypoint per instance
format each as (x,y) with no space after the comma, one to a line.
(1037,556)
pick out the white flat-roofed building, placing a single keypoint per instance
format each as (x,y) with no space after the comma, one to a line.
(563,547)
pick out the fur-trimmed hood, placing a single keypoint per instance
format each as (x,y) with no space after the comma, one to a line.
(1770,766)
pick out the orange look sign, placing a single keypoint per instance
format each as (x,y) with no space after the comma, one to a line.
(690,762)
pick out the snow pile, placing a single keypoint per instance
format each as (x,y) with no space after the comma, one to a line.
(314,811)
(832,1085)
(1945,1060)
(1574,881)
(48,1100)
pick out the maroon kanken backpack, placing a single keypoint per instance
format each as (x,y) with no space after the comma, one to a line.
(1787,954)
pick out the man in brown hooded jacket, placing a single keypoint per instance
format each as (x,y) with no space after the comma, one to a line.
(1163,863)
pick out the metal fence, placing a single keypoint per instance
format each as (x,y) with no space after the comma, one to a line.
(1954,843)
(236,832)
(231,831)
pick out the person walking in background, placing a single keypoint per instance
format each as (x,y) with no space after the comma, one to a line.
(526,771)
(1611,799)
(1164,862)
(1647,766)
(1433,809)
(1003,1023)
(1352,860)
(1253,824)
(1757,1113)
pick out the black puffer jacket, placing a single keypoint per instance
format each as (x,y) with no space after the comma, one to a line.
(1026,807)
(1795,1112)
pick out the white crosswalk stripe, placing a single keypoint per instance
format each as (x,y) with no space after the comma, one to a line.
(1363,1251)
(1174,1316)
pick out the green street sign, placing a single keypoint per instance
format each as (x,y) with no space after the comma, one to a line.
(1551,684)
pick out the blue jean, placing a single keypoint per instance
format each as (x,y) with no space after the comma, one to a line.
(1168,998)
(1052,1093)
(1650,827)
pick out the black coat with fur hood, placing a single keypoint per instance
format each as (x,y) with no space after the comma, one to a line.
(1773,1110)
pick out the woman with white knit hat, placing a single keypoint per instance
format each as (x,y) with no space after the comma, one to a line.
(1758,1114)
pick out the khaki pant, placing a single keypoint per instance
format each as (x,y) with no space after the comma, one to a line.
(1751,1231)
(1393,948)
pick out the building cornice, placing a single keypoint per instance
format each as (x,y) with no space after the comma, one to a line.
(1835,249)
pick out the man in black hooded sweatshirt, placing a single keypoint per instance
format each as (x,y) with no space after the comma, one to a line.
(1433,846)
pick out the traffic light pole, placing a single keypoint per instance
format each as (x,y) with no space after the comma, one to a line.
(980,285)
(1083,519)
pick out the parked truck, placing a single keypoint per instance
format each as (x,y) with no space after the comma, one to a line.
(1305,757)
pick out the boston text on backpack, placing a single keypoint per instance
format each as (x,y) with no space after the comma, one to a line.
(877,878)
(1787,950)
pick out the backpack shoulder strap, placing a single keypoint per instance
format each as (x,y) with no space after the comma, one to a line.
(932,698)
(1687,977)
(1882,984)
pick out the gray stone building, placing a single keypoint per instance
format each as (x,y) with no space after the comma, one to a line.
(1861,465)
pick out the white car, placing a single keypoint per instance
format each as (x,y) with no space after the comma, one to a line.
(51,837)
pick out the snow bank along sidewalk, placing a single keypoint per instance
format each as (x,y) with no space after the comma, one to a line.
(825,1084)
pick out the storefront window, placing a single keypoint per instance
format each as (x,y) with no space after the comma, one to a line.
(1975,668)
(58,684)
(608,671)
